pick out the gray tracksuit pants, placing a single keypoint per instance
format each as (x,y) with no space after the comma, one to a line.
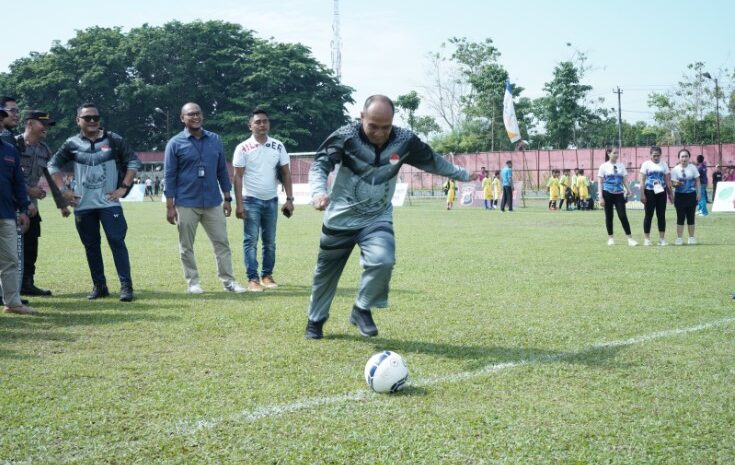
(377,257)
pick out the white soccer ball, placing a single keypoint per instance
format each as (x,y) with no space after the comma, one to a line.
(386,372)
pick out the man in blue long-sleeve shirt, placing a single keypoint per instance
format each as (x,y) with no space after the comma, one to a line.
(506,177)
(196,180)
(13,198)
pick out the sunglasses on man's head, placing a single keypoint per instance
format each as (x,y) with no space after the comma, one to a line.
(90,118)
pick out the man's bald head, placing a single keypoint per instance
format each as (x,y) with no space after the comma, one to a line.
(377,119)
(192,117)
(379,102)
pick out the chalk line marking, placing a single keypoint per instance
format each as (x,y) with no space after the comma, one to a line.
(270,411)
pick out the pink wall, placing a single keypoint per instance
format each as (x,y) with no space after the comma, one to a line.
(534,165)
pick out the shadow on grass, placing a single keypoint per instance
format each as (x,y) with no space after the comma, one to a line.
(40,327)
(480,356)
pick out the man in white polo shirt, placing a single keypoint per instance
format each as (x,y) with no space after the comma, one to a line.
(258,161)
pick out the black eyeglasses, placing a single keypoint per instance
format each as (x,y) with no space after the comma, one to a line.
(193,114)
(90,118)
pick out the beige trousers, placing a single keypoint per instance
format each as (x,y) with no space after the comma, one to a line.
(214,223)
(9,263)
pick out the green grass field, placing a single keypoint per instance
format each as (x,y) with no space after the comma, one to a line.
(528,339)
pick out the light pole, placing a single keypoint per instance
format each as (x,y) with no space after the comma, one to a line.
(717,113)
(164,112)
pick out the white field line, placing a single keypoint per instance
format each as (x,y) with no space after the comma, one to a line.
(270,411)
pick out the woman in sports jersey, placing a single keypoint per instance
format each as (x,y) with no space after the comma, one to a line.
(685,180)
(655,181)
(612,189)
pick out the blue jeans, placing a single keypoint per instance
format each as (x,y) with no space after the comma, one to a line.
(113,222)
(261,217)
(702,205)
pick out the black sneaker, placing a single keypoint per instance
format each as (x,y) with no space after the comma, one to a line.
(363,319)
(31,289)
(97,292)
(314,329)
(126,293)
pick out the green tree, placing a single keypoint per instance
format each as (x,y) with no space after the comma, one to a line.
(482,104)
(562,108)
(409,103)
(426,125)
(687,114)
(223,67)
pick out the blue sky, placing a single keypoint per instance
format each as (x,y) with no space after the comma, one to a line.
(641,46)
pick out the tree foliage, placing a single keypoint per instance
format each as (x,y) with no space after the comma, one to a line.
(562,107)
(224,68)
(409,103)
(482,126)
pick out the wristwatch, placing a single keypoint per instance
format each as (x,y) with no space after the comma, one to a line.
(289,199)
(228,199)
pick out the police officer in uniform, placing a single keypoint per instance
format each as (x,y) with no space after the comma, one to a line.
(34,157)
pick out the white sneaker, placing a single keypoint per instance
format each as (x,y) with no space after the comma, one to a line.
(692,241)
(234,286)
(647,242)
(632,242)
(195,289)
(662,242)
(679,241)
(611,241)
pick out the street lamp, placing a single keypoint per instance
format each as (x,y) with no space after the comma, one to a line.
(158,110)
(717,112)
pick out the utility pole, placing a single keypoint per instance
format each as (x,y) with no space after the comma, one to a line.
(717,112)
(620,119)
(336,44)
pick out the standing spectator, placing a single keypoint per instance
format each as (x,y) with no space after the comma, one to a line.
(685,178)
(104,167)
(655,182)
(34,158)
(149,188)
(9,121)
(450,188)
(575,189)
(553,186)
(196,179)
(583,191)
(497,188)
(13,199)
(506,177)
(258,162)
(156,186)
(563,186)
(702,169)
(717,176)
(368,154)
(487,191)
(612,190)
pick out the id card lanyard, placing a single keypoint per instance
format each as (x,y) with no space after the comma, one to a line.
(201,172)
